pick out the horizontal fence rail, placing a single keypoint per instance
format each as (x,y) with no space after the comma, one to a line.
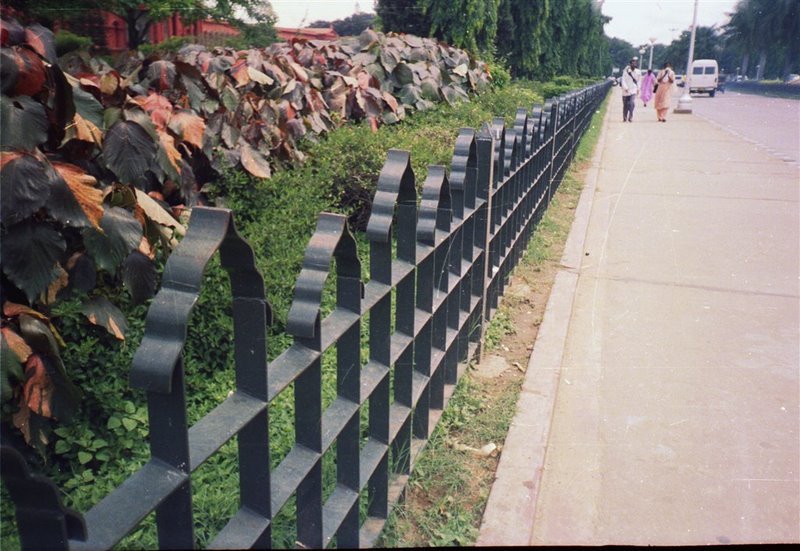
(438,265)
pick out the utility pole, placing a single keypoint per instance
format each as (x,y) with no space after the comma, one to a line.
(685,103)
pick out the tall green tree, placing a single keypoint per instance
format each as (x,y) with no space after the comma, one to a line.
(349,26)
(520,30)
(708,44)
(620,51)
(403,16)
(467,24)
(768,29)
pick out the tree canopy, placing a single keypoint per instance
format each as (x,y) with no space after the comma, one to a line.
(769,29)
(536,38)
(349,26)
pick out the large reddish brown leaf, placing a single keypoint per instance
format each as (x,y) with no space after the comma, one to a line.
(17,344)
(60,282)
(82,187)
(188,126)
(391,101)
(254,162)
(171,154)
(240,73)
(100,311)
(38,387)
(152,102)
(41,39)
(86,131)
(7,156)
(110,83)
(32,73)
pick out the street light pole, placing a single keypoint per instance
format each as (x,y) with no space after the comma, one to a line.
(652,43)
(685,102)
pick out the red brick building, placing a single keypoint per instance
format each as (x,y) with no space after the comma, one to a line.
(116,30)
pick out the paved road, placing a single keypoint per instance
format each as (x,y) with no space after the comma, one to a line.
(773,123)
(669,355)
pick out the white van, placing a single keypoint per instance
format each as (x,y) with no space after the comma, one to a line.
(704,77)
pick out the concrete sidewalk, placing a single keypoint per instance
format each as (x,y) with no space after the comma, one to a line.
(662,401)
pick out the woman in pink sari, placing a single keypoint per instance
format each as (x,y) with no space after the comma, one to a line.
(647,87)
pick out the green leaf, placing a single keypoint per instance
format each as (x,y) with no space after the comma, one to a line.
(114,423)
(139,276)
(122,234)
(430,90)
(30,256)
(62,446)
(84,457)
(129,151)
(161,75)
(38,335)
(100,311)
(87,105)
(129,423)
(23,123)
(64,206)
(9,72)
(25,185)
(403,74)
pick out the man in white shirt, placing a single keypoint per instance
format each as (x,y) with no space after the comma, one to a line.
(631,76)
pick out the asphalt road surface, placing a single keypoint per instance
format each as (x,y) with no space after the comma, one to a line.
(772,123)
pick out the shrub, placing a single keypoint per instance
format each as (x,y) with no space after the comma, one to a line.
(170,45)
(66,42)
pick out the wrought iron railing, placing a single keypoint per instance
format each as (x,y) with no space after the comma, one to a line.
(438,267)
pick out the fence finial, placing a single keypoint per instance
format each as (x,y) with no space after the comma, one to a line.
(42,520)
(331,239)
(168,317)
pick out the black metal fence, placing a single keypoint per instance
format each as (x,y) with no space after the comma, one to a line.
(442,262)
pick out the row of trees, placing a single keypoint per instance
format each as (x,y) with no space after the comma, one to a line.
(536,38)
(761,40)
(768,29)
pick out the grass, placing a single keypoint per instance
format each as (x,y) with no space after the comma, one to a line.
(450,485)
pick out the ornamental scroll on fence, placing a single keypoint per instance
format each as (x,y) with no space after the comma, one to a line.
(442,262)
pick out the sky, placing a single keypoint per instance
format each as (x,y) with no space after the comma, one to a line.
(639,20)
(298,13)
(633,20)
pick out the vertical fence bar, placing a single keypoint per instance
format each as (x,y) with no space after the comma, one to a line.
(251,316)
(463,174)
(348,387)
(434,230)
(483,227)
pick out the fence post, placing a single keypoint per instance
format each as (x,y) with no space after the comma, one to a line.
(552,123)
(483,226)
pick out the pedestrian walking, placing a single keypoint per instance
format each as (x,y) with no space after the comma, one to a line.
(648,81)
(630,88)
(664,81)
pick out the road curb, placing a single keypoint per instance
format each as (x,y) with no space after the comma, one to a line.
(510,510)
